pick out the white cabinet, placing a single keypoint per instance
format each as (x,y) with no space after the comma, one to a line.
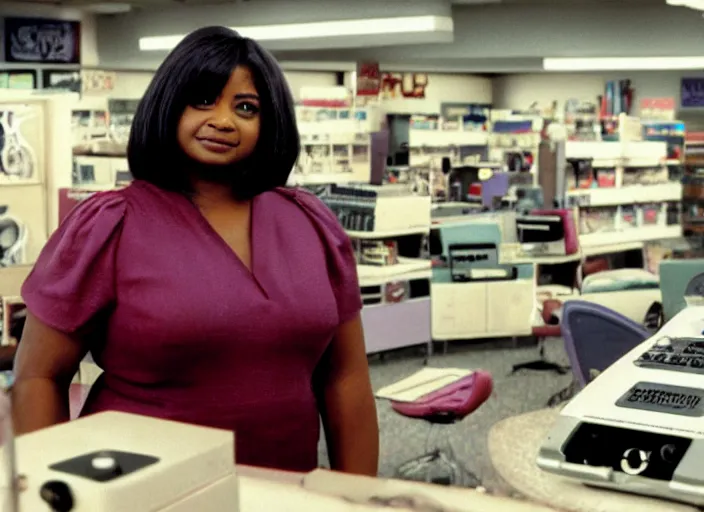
(459,310)
(510,306)
(482,309)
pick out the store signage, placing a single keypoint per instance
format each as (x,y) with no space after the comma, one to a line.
(368,79)
(657,109)
(95,81)
(42,40)
(403,85)
(692,92)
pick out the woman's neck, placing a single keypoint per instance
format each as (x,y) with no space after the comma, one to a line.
(210,195)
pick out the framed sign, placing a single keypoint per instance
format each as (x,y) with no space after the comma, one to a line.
(42,40)
(692,92)
(61,80)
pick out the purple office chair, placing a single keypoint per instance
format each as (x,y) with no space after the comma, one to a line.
(445,406)
(595,338)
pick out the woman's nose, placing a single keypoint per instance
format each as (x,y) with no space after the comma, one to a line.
(222,119)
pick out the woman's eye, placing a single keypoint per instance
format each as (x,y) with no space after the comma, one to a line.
(248,108)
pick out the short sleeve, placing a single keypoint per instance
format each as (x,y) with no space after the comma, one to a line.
(74,277)
(342,264)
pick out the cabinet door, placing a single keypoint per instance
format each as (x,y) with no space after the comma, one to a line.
(510,306)
(459,310)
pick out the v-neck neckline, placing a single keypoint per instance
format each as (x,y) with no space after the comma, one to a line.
(250,271)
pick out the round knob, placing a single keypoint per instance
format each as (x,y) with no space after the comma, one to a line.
(57,495)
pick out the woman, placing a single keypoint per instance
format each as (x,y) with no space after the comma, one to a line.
(206,292)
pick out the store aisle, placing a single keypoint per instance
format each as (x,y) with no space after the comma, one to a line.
(402,438)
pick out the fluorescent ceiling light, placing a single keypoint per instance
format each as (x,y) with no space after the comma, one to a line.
(322,29)
(623,63)
(692,4)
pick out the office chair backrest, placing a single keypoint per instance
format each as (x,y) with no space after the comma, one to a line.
(596,337)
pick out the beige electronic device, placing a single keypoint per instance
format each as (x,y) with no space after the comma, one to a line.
(116,462)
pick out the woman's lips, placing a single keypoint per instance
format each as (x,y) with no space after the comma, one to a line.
(217,145)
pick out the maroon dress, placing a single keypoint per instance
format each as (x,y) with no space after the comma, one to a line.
(184,331)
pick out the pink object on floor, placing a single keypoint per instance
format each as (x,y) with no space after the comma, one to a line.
(455,401)
(77,394)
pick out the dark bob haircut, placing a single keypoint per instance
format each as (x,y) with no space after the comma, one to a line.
(199,66)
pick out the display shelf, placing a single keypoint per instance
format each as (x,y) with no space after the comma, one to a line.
(406,269)
(512,254)
(598,250)
(380,235)
(442,138)
(641,234)
(613,196)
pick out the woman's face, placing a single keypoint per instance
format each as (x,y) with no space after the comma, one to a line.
(223,130)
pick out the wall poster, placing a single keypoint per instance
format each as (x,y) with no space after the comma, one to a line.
(692,92)
(42,40)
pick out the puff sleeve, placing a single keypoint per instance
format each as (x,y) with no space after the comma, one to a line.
(74,277)
(342,265)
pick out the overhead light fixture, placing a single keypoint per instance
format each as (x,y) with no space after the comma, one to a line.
(623,63)
(108,8)
(322,30)
(692,4)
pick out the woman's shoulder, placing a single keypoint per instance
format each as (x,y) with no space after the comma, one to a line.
(311,205)
(113,203)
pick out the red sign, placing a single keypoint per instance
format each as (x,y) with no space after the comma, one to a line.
(662,109)
(368,79)
(404,85)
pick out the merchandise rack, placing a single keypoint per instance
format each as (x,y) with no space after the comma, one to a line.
(642,209)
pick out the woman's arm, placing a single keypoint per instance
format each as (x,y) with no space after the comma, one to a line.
(46,362)
(347,403)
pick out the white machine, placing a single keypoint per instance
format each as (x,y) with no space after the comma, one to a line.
(116,462)
(639,426)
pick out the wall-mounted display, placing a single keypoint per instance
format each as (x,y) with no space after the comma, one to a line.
(42,40)
(61,80)
(21,143)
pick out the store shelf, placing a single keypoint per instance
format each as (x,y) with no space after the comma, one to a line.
(442,138)
(513,254)
(380,235)
(628,195)
(324,178)
(406,269)
(598,250)
(642,234)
